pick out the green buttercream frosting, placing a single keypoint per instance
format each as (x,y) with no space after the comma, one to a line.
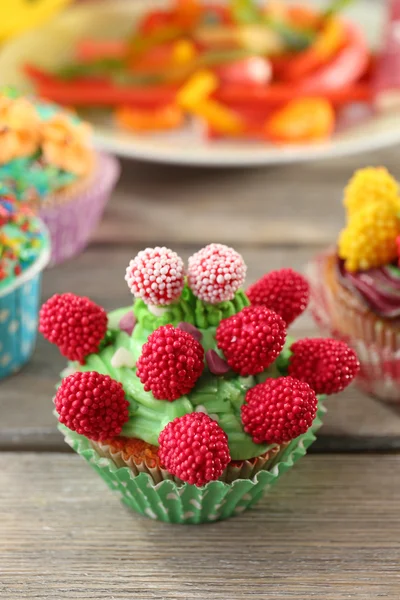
(220,396)
(209,315)
(173,313)
(189,309)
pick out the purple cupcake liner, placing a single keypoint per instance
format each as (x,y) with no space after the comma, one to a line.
(72,221)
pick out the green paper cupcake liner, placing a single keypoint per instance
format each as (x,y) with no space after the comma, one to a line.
(182,503)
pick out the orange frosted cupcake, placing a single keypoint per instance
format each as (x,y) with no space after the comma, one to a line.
(47,162)
(355,287)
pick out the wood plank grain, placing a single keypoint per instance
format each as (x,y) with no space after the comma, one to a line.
(328,531)
(25,399)
(288,204)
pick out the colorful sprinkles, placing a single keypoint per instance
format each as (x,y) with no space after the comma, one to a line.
(20,239)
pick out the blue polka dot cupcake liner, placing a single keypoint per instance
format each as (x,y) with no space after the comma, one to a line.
(177,502)
(19,308)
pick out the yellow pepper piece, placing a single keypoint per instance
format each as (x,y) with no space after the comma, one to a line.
(329,40)
(183,52)
(199,87)
(369,240)
(222,119)
(301,120)
(372,184)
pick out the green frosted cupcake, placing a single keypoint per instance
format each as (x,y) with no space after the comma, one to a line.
(193,402)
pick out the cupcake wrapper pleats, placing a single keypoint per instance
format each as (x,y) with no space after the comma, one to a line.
(72,217)
(183,503)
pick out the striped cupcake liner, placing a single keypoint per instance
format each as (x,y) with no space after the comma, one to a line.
(72,216)
(174,502)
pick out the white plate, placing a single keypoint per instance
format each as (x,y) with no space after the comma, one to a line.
(52,44)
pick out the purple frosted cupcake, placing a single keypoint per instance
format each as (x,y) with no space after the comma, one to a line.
(355,286)
(46,161)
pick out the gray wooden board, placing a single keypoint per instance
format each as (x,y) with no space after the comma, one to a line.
(329,530)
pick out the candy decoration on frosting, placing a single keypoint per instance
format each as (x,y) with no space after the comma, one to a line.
(156,275)
(74,323)
(252,339)
(171,362)
(216,273)
(216,364)
(189,328)
(370,185)
(127,322)
(122,357)
(369,240)
(278,410)
(284,291)
(92,404)
(327,365)
(194,448)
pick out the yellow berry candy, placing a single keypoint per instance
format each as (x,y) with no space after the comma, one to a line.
(369,240)
(372,184)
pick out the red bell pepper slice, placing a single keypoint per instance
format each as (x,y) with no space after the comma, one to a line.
(278,94)
(36,74)
(90,49)
(346,68)
(329,41)
(100,92)
(156,19)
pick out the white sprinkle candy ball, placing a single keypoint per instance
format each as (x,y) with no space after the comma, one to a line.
(216,273)
(156,275)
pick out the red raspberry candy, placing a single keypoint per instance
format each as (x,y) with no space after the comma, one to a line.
(284,291)
(216,273)
(92,404)
(194,448)
(74,323)
(171,362)
(328,366)
(156,276)
(278,410)
(252,339)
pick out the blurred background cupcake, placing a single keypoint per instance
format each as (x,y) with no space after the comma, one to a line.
(47,162)
(24,253)
(355,288)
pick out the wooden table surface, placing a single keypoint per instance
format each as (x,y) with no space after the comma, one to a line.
(330,530)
